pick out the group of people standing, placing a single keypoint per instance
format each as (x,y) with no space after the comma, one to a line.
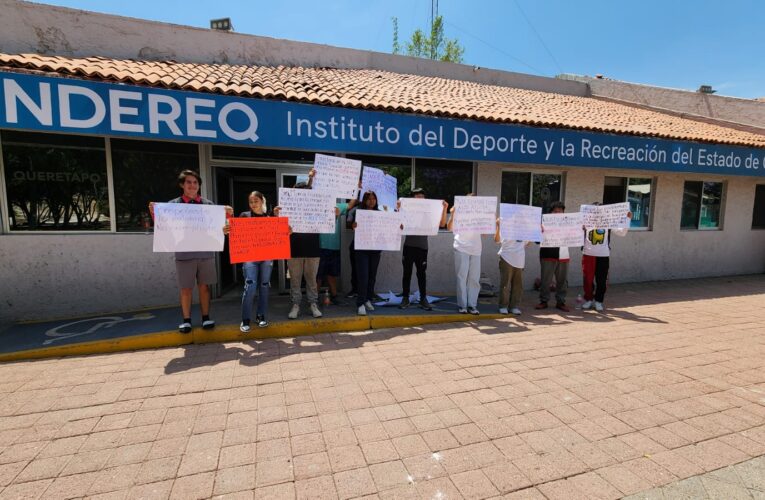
(316,260)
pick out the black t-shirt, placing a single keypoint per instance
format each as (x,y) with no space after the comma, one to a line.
(305,245)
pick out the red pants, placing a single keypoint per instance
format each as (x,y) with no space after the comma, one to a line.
(595,272)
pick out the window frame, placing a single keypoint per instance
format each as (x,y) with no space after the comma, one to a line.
(532,172)
(723,196)
(754,205)
(654,181)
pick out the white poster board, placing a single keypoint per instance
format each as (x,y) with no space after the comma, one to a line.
(384,186)
(377,230)
(475,214)
(613,216)
(562,230)
(520,222)
(188,227)
(337,176)
(421,216)
(308,211)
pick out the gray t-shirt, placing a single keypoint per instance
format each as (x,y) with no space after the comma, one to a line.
(193,255)
(416,241)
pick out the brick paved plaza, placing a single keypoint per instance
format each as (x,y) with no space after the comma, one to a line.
(667,385)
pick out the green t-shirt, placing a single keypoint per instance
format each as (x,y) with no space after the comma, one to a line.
(331,241)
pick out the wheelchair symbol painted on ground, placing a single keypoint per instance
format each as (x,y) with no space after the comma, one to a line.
(89,325)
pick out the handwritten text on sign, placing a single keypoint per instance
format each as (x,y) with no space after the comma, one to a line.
(612,216)
(255,239)
(308,210)
(562,230)
(520,222)
(337,176)
(421,216)
(384,186)
(475,214)
(376,230)
(187,227)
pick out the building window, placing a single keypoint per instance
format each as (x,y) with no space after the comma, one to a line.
(400,168)
(147,171)
(758,217)
(637,191)
(526,188)
(442,179)
(702,205)
(55,182)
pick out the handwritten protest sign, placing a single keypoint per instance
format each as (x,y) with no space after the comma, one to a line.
(308,211)
(377,230)
(384,186)
(520,222)
(475,214)
(188,227)
(421,216)
(612,216)
(562,230)
(255,239)
(337,176)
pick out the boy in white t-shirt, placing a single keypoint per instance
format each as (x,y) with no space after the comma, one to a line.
(512,260)
(596,262)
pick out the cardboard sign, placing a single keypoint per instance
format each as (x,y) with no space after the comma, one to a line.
(377,230)
(337,176)
(308,210)
(612,216)
(254,239)
(188,227)
(384,186)
(520,222)
(475,214)
(421,216)
(562,230)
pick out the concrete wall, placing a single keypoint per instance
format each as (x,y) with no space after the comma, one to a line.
(725,109)
(35,28)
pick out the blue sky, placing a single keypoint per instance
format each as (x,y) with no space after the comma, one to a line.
(671,43)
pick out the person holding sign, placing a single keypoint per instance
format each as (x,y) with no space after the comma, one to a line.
(596,262)
(194,267)
(416,254)
(330,261)
(467,265)
(554,262)
(257,275)
(512,260)
(367,261)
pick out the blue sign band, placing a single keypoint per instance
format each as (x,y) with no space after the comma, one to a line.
(31,102)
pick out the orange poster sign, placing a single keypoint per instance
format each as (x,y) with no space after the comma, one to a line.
(258,238)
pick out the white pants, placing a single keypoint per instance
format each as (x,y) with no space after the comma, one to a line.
(468,270)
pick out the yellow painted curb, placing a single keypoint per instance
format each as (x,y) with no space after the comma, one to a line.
(229,333)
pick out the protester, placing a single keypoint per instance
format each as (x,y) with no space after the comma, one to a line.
(367,261)
(596,262)
(416,253)
(467,266)
(194,267)
(330,261)
(554,262)
(257,275)
(512,260)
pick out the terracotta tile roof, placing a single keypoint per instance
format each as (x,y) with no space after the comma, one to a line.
(388,91)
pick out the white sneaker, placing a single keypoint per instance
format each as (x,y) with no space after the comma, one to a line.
(184,327)
(503,310)
(294,312)
(244,328)
(586,305)
(515,311)
(369,306)
(599,306)
(315,311)
(462,310)
(208,324)
(361,311)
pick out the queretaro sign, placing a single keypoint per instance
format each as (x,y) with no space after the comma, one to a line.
(31,102)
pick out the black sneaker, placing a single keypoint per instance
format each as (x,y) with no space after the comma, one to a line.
(351,294)
(208,324)
(261,321)
(425,305)
(404,303)
(184,327)
(336,301)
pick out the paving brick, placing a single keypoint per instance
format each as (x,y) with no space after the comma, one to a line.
(234,479)
(354,483)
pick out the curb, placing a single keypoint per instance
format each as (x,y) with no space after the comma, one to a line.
(231,333)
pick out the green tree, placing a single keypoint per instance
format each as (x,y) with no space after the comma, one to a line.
(435,46)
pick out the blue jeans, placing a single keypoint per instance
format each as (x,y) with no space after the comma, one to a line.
(366,273)
(257,276)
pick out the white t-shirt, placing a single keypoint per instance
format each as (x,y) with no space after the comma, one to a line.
(469,243)
(513,252)
(596,241)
